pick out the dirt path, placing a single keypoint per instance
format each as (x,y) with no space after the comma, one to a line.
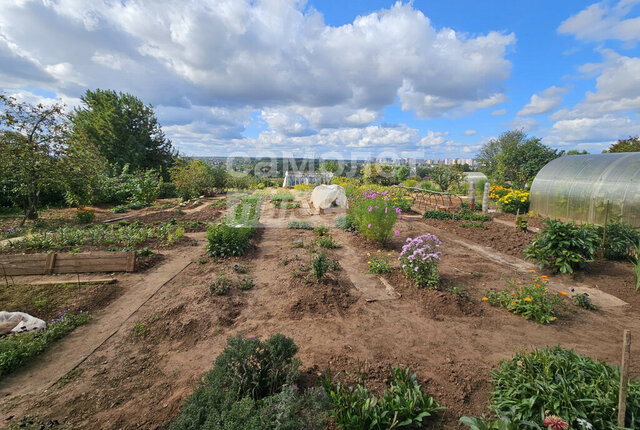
(82,342)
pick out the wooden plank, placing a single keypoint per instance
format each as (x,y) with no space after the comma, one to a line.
(624,378)
(131,263)
(73,281)
(51,261)
(23,257)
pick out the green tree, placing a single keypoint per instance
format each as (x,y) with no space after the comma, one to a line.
(194,178)
(329,166)
(446,176)
(37,154)
(402,173)
(124,129)
(515,158)
(632,144)
(378,174)
(577,152)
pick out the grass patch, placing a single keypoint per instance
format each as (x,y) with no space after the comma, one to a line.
(301,225)
(282,197)
(16,350)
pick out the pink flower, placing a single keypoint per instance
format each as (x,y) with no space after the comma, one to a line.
(397,233)
(555,423)
(369,226)
(398,210)
(385,210)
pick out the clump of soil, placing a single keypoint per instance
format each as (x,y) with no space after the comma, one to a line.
(329,297)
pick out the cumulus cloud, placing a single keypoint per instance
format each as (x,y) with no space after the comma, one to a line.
(544,102)
(278,58)
(499,112)
(469,132)
(602,21)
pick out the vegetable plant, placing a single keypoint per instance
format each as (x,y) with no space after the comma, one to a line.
(226,241)
(319,266)
(564,246)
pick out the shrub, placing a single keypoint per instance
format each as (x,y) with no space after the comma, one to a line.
(565,384)
(346,223)
(85,215)
(18,349)
(379,265)
(327,242)
(301,225)
(464,214)
(514,201)
(410,183)
(419,260)
(564,247)
(304,187)
(226,241)
(532,301)
(374,214)
(319,266)
(402,405)
(429,185)
(195,178)
(620,242)
(252,386)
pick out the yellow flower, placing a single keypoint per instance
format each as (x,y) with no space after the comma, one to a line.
(368,262)
(378,250)
(485,299)
(368,254)
(389,254)
(527,299)
(532,271)
(518,282)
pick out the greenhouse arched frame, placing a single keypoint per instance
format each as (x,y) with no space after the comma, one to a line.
(594,189)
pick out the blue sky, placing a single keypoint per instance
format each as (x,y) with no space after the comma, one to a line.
(431,79)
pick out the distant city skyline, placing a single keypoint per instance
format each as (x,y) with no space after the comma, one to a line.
(374,78)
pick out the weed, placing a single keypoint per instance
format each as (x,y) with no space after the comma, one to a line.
(379,265)
(140,329)
(321,230)
(459,291)
(144,252)
(202,260)
(522,223)
(242,269)
(584,301)
(471,224)
(220,285)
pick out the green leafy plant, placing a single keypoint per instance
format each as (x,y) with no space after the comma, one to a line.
(636,266)
(294,205)
(464,214)
(144,252)
(319,266)
(327,242)
(560,382)
(242,269)
(227,241)
(140,329)
(220,285)
(471,224)
(502,423)
(246,212)
(522,223)
(282,197)
(620,241)
(374,213)
(531,300)
(379,265)
(564,246)
(515,201)
(584,301)
(301,225)
(18,349)
(419,260)
(402,405)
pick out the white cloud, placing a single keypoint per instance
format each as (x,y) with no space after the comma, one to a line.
(601,21)
(469,132)
(499,112)
(606,128)
(275,57)
(544,102)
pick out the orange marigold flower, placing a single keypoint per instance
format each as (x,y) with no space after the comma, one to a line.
(563,293)
(553,318)
(485,298)
(513,294)
(514,303)
(528,299)
(538,285)
(532,271)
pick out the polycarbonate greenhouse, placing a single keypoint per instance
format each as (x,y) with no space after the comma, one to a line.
(475,177)
(581,187)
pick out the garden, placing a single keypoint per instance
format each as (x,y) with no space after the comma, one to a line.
(249,308)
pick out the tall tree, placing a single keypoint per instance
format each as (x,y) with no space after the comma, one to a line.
(515,157)
(124,129)
(36,154)
(632,144)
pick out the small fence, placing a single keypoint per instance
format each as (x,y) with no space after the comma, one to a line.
(48,264)
(424,200)
(293,178)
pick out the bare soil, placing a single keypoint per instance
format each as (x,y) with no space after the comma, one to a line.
(449,337)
